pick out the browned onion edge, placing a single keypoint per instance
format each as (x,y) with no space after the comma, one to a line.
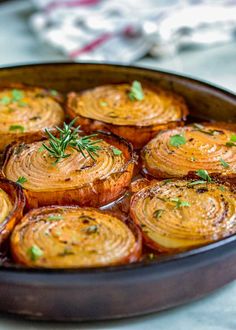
(17,197)
(157,247)
(131,258)
(131,159)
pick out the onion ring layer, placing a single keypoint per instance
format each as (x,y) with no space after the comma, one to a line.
(201,149)
(109,108)
(73,237)
(25,112)
(175,217)
(74,180)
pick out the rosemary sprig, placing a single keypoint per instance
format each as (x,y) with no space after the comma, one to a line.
(69,136)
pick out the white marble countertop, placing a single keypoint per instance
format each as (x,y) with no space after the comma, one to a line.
(217,65)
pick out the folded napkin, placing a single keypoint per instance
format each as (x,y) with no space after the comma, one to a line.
(125,30)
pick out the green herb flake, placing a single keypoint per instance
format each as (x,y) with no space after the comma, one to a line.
(17,128)
(157,214)
(202,129)
(179,203)
(136,92)
(103,104)
(164,182)
(5,100)
(91,229)
(21,180)
(35,252)
(194,183)
(177,140)
(53,92)
(232,141)
(221,188)
(55,217)
(41,149)
(17,95)
(224,163)
(203,174)
(116,151)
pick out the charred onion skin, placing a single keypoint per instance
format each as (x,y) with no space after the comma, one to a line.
(41,110)
(17,199)
(162,160)
(129,119)
(210,215)
(74,237)
(94,193)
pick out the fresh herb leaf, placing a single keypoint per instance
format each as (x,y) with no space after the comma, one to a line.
(179,203)
(17,95)
(17,128)
(193,183)
(232,141)
(53,92)
(177,140)
(157,214)
(35,252)
(224,163)
(69,136)
(164,182)
(136,91)
(41,149)
(116,151)
(222,188)
(202,129)
(103,104)
(203,174)
(5,100)
(91,229)
(55,217)
(21,180)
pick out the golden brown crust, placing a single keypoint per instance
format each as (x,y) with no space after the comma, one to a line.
(177,216)
(73,237)
(206,149)
(12,205)
(137,121)
(26,111)
(74,180)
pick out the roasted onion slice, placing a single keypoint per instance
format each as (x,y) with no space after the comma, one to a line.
(12,202)
(110,108)
(74,180)
(73,237)
(26,111)
(177,152)
(177,216)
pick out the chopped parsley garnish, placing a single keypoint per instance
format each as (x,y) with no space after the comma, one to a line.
(179,203)
(35,252)
(17,128)
(164,182)
(177,140)
(5,100)
(17,95)
(21,180)
(224,163)
(55,217)
(202,129)
(221,188)
(136,92)
(203,174)
(91,229)
(103,104)
(53,92)
(232,141)
(116,151)
(158,213)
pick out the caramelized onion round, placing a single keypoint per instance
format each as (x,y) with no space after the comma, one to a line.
(110,108)
(73,237)
(203,149)
(74,180)
(12,202)
(175,217)
(25,112)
